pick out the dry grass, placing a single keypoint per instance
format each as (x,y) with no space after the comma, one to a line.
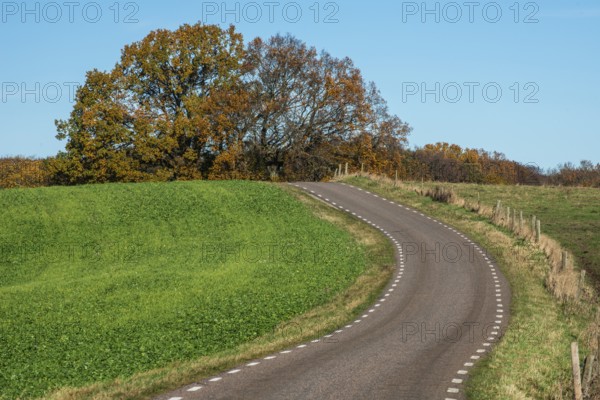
(441,194)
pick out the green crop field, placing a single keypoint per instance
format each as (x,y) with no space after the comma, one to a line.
(569,215)
(101,282)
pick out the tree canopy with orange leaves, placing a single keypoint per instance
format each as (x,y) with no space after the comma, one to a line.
(197,103)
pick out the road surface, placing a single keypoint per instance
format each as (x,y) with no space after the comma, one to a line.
(442,312)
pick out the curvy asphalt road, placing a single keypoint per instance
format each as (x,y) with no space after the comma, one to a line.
(442,312)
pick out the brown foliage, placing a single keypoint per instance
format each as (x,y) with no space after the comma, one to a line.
(164,112)
(194,103)
(443,162)
(20,172)
(586,174)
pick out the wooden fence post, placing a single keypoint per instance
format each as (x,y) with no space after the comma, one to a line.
(596,372)
(597,346)
(362,168)
(346,169)
(533,223)
(514,220)
(498,209)
(521,221)
(576,371)
(581,285)
(538,230)
(587,374)
(507,216)
(565,259)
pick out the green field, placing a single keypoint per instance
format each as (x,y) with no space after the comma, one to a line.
(100,282)
(569,215)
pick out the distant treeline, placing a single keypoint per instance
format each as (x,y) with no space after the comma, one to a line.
(197,103)
(430,163)
(21,172)
(445,162)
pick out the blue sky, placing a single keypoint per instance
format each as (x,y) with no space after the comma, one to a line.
(516,77)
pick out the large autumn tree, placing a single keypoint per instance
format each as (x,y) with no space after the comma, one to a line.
(305,104)
(310,108)
(165,111)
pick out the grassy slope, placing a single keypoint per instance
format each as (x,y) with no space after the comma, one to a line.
(101,282)
(533,359)
(570,215)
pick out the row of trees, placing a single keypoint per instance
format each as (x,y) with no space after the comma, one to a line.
(586,174)
(438,162)
(451,163)
(443,162)
(196,103)
(20,172)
